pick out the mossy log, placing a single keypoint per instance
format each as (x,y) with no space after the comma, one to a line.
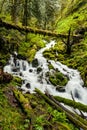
(24,103)
(72,103)
(77,120)
(31,30)
(62,126)
(84,121)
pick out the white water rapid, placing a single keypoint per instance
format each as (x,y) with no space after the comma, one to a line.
(33,79)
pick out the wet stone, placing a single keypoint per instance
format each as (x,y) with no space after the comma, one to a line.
(28,85)
(39,69)
(60,89)
(23,81)
(24,66)
(19,56)
(20,74)
(15,69)
(35,63)
(28,92)
(77,94)
(30,70)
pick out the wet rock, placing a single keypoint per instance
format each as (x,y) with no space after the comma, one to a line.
(41,78)
(39,69)
(47,74)
(28,92)
(35,63)
(20,74)
(40,81)
(30,70)
(15,69)
(60,88)
(23,66)
(28,85)
(76,94)
(23,81)
(48,82)
(19,56)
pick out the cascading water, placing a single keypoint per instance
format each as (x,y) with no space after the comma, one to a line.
(34,78)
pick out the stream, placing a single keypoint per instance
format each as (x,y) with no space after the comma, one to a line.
(33,77)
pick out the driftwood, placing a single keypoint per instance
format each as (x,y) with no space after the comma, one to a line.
(32,30)
(77,120)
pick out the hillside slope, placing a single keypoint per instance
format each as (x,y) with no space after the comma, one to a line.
(74,15)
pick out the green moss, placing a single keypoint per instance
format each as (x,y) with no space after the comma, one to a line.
(74,17)
(55,116)
(4,58)
(48,55)
(17,81)
(50,66)
(72,103)
(11,118)
(28,49)
(30,54)
(58,79)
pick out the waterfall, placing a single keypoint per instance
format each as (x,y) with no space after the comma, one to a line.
(34,78)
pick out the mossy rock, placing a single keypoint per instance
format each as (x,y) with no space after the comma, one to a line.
(58,79)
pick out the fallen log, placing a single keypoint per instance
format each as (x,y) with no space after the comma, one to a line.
(32,30)
(25,105)
(72,103)
(77,120)
(74,115)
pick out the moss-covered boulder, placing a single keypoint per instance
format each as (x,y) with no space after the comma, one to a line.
(58,79)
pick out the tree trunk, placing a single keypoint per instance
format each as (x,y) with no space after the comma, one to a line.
(14,9)
(1,6)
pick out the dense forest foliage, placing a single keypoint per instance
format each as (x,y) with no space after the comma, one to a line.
(35,13)
(36,111)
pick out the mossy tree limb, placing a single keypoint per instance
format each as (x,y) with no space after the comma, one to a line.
(77,120)
(72,103)
(25,105)
(32,30)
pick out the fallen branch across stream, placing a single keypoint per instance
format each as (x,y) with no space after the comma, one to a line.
(32,30)
(76,119)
